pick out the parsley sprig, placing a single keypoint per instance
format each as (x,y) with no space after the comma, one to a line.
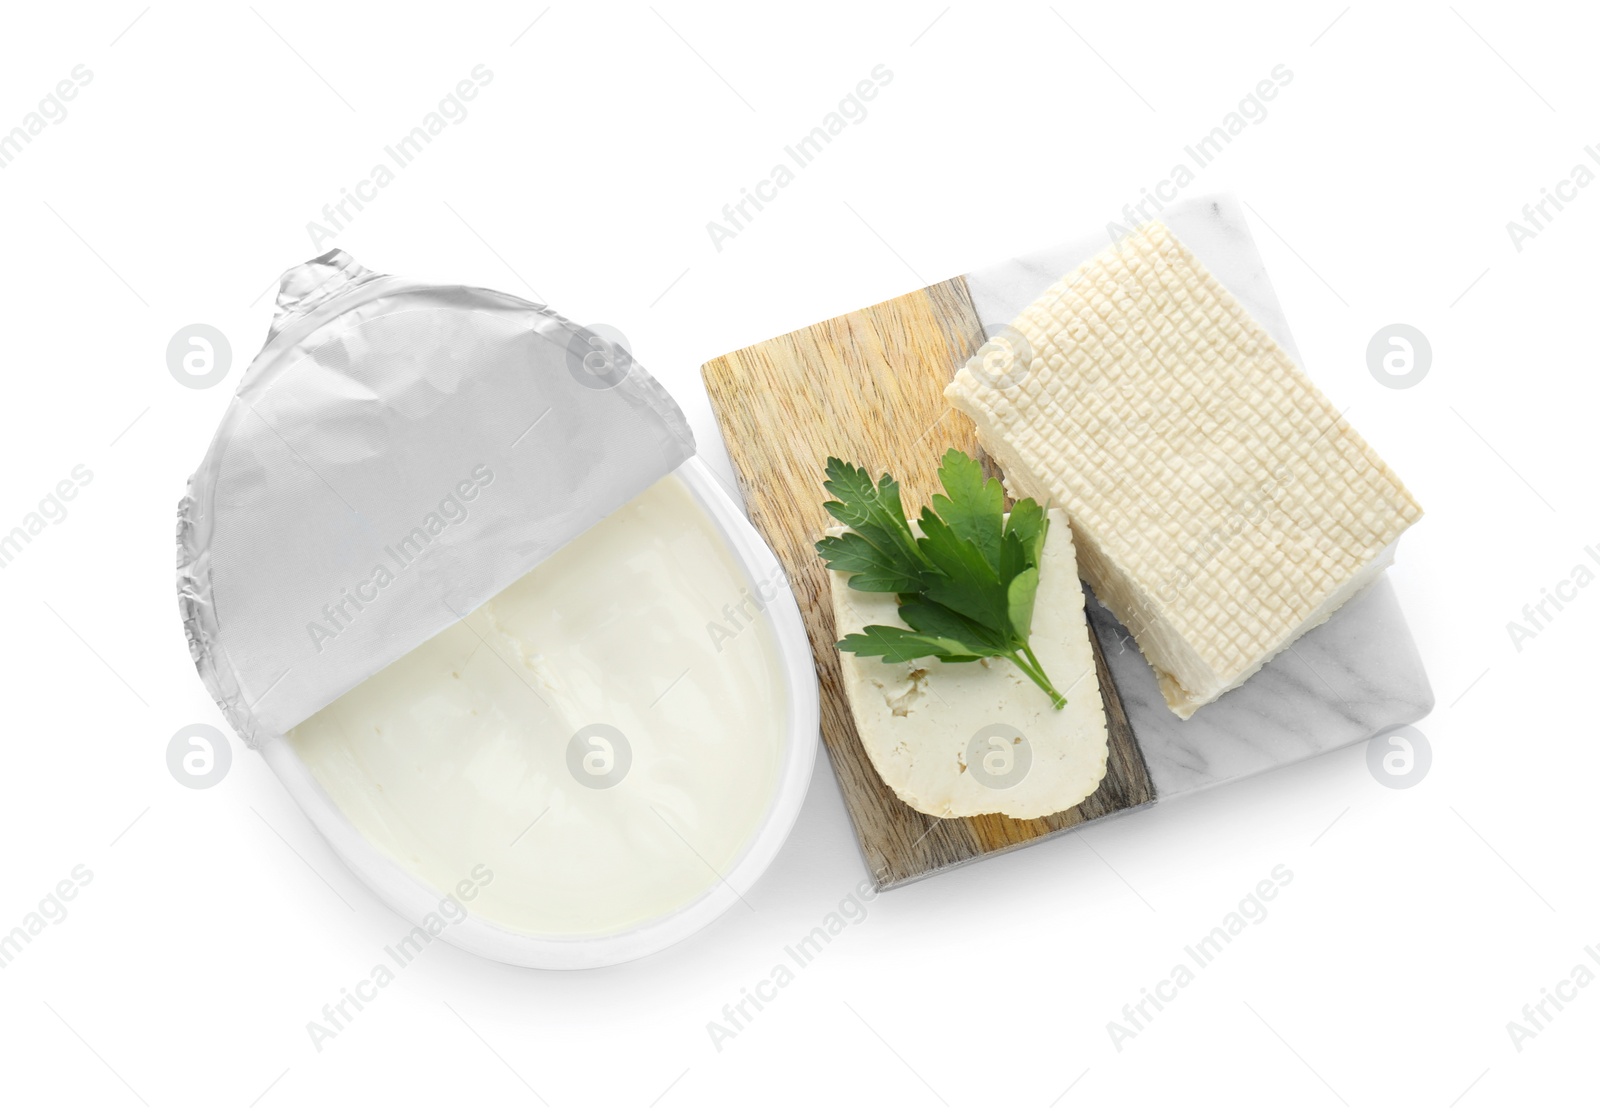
(966,587)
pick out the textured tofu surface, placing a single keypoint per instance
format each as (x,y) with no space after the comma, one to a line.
(1220,504)
(968,738)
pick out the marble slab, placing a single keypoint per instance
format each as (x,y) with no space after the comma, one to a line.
(1340,683)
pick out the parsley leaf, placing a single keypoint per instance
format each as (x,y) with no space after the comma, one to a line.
(966,580)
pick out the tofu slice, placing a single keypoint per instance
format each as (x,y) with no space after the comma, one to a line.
(1221,505)
(968,738)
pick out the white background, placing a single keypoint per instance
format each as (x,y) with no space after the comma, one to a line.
(1419,922)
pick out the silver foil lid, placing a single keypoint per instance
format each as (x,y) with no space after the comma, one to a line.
(397,454)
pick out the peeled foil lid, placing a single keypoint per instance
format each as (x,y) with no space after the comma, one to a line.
(396,455)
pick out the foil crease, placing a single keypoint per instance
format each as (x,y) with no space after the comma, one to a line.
(359,441)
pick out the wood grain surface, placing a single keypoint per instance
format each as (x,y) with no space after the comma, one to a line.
(869,387)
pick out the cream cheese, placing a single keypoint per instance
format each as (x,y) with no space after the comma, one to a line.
(605,734)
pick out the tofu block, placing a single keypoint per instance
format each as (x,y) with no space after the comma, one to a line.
(963,739)
(1220,504)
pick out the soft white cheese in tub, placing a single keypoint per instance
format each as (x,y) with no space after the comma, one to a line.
(605,734)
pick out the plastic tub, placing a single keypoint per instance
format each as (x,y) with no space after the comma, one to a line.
(414,899)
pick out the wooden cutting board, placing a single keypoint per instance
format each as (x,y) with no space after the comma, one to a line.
(869,387)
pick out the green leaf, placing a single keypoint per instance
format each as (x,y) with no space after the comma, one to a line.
(963,580)
(1027,521)
(875,570)
(974,508)
(896,644)
(1014,558)
(1020,595)
(926,617)
(874,511)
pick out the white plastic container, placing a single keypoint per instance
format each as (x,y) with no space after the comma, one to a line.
(368,398)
